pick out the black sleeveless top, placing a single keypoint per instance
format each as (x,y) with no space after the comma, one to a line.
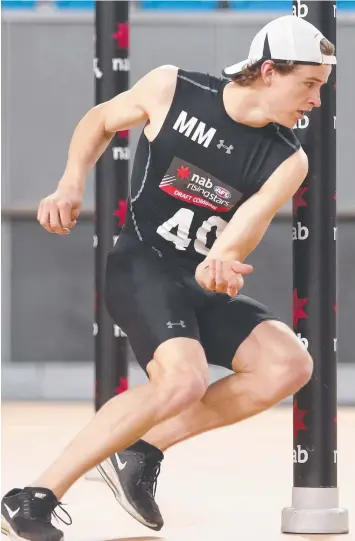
(187,184)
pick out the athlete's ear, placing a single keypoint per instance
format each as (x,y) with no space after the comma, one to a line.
(267,71)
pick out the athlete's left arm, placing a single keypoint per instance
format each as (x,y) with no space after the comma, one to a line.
(251,221)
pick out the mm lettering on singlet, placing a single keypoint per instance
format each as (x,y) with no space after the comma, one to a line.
(194,129)
(192,185)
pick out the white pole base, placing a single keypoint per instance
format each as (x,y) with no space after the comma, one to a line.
(315,511)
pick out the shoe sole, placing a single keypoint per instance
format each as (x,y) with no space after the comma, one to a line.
(106,472)
(7,530)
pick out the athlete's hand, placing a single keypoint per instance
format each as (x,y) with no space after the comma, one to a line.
(58,213)
(222,276)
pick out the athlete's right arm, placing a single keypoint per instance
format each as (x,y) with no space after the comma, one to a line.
(58,212)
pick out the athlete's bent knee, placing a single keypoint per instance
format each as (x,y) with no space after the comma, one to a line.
(180,372)
(179,390)
(286,375)
(299,369)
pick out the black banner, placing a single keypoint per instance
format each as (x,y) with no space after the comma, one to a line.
(314,277)
(111,69)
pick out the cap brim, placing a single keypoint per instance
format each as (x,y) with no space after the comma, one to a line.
(235,68)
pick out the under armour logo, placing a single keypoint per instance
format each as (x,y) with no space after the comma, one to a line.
(181,323)
(222,145)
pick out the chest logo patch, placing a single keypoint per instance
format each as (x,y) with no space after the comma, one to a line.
(192,185)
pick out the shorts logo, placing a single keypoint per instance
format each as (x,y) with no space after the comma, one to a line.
(180,323)
(192,185)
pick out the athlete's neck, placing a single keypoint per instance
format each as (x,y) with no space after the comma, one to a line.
(246,105)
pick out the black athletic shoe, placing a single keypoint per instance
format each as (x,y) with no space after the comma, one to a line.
(132,476)
(26,515)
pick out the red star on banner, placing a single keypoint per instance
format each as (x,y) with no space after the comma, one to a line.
(298,200)
(335,308)
(123,133)
(335,420)
(298,304)
(121,212)
(335,197)
(183,172)
(334,85)
(298,416)
(122,35)
(123,386)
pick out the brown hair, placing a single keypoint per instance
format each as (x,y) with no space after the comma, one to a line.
(251,73)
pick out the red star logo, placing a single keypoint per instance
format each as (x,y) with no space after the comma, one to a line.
(121,212)
(183,172)
(298,304)
(122,35)
(123,133)
(335,308)
(334,85)
(298,200)
(335,197)
(335,420)
(298,416)
(123,386)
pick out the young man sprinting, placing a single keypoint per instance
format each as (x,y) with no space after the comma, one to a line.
(217,158)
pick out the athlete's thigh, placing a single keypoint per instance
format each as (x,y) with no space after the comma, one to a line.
(146,299)
(226,322)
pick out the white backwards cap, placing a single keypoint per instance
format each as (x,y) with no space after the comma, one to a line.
(287,38)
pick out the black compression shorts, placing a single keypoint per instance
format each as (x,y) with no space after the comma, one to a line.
(153,299)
